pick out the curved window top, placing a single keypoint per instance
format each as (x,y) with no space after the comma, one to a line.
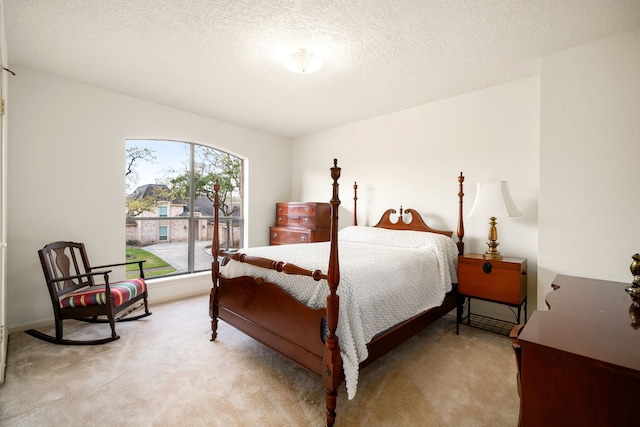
(169,204)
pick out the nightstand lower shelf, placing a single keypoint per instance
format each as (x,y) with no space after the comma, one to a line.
(487,323)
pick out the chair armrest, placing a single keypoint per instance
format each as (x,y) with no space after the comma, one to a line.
(119,264)
(104,273)
(124,263)
(78,276)
(514,334)
(517,350)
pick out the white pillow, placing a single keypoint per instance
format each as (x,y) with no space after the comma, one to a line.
(398,238)
(443,246)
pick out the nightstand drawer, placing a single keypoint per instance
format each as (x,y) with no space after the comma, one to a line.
(494,280)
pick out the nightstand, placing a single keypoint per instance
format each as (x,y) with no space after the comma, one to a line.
(500,281)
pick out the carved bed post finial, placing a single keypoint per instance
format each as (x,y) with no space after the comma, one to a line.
(332,362)
(460,233)
(355,203)
(215,264)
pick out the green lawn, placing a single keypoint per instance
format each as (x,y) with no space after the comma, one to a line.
(153,266)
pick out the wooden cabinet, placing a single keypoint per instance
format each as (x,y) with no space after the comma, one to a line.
(301,222)
(580,360)
(500,281)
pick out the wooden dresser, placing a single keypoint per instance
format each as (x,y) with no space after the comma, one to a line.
(580,360)
(301,222)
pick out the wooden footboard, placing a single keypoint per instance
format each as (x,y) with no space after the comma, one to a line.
(264,311)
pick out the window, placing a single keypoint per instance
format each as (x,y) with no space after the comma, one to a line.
(169,204)
(162,233)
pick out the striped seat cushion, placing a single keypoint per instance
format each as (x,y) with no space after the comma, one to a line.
(121,292)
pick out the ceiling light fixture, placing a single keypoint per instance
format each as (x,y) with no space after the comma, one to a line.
(303,61)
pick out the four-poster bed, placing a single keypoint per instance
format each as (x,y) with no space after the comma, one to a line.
(302,316)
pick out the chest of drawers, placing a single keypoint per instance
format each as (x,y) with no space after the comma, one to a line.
(301,222)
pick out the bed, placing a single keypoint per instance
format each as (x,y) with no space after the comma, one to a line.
(295,307)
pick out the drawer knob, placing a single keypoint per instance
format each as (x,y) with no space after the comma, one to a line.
(303,239)
(487,267)
(275,235)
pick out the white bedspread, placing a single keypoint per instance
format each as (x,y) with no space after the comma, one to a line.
(386,277)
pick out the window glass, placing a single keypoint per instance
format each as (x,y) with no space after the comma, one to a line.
(162,233)
(169,204)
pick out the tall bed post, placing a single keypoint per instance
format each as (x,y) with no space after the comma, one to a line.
(355,203)
(215,265)
(460,232)
(332,362)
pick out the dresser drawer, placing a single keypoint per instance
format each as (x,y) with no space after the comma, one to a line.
(283,236)
(310,215)
(494,280)
(302,221)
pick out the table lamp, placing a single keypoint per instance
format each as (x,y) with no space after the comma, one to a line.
(493,200)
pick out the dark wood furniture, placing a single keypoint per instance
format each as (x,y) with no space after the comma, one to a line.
(75,294)
(517,350)
(580,360)
(301,222)
(499,281)
(270,315)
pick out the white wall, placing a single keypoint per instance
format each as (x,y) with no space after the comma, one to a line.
(413,158)
(66,178)
(589,169)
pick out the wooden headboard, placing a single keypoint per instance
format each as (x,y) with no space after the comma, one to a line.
(416,223)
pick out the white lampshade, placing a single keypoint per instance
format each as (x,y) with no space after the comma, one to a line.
(493,199)
(303,61)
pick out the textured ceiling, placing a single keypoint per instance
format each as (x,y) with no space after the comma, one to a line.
(224,58)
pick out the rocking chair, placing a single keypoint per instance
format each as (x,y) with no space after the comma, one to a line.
(75,294)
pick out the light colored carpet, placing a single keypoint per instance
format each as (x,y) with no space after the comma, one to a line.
(164,371)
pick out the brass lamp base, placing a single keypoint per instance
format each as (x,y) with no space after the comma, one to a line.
(492,252)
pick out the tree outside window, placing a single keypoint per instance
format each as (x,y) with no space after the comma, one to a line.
(169,204)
